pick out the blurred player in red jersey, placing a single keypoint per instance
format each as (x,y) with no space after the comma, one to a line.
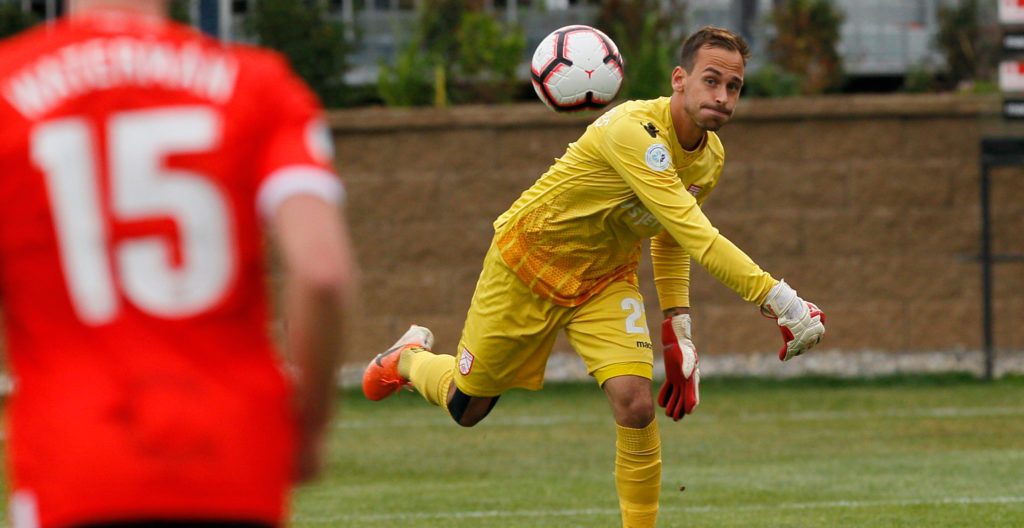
(142,163)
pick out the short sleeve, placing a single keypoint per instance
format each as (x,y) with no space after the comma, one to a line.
(297,153)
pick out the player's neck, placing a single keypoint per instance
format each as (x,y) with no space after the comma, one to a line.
(688,134)
(155,8)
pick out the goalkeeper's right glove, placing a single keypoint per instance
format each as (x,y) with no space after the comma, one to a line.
(802,323)
(681,391)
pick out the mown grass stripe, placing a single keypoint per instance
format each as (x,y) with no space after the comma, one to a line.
(686,509)
(553,420)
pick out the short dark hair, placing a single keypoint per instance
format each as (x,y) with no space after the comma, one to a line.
(715,37)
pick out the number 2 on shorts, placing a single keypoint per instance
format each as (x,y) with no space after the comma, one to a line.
(634,321)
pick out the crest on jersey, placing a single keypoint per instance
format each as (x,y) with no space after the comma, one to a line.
(657,157)
(466,361)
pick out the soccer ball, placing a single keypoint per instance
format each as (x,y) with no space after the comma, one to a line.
(576,68)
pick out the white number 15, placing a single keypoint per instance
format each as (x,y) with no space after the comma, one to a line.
(139,187)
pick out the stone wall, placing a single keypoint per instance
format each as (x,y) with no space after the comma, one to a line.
(868,205)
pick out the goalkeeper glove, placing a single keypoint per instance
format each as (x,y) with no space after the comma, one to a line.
(802,323)
(681,391)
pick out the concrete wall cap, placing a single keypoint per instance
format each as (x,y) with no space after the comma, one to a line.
(530,115)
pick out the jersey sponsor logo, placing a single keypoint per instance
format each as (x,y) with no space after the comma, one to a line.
(644,344)
(466,361)
(657,157)
(651,129)
(694,189)
(639,215)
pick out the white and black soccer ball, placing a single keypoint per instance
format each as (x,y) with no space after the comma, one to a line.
(576,68)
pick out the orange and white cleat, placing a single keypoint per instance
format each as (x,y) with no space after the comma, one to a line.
(381,378)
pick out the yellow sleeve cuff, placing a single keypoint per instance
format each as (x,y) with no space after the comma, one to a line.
(671,266)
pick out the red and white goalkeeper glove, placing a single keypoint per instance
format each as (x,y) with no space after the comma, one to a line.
(681,391)
(802,323)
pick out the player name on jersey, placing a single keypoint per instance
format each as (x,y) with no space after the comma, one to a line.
(107,63)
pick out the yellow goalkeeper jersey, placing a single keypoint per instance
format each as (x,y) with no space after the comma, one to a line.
(580,226)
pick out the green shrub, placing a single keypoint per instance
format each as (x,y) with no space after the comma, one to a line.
(970,52)
(648,71)
(457,50)
(488,56)
(805,44)
(771,81)
(920,79)
(13,20)
(409,81)
(180,11)
(646,32)
(317,47)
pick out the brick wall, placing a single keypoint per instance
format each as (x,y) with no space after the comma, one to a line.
(868,205)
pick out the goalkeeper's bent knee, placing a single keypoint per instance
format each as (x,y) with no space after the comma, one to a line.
(460,402)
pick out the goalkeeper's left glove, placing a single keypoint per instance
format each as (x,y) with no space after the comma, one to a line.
(681,391)
(802,323)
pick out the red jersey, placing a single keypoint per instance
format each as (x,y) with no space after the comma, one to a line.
(136,160)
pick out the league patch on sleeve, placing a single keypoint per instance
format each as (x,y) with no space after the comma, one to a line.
(319,142)
(657,157)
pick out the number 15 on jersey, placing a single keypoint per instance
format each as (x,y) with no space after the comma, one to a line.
(99,269)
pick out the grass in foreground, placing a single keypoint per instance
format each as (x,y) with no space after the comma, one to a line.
(938,452)
(909,452)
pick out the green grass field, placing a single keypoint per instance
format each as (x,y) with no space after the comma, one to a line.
(915,452)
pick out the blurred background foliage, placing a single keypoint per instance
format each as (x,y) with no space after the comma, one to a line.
(180,11)
(806,44)
(316,45)
(648,35)
(458,53)
(971,51)
(463,51)
(14,20)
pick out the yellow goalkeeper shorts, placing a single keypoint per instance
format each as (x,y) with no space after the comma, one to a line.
(510,331)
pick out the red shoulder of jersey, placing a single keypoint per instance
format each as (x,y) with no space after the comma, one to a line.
(44,72)
(298,153)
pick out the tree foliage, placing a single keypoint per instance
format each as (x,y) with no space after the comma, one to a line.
(180,12)
(970,52)
(489,55)
(406,82)
(14,20)
(646,32)
(805,43)
(459,52)
(771,81)
(317,46)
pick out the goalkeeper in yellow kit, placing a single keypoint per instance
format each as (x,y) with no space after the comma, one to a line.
(565,256)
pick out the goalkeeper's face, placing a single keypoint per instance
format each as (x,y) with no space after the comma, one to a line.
(710,91)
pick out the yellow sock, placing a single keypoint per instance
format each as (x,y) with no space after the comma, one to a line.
(431,374)
(638,474)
